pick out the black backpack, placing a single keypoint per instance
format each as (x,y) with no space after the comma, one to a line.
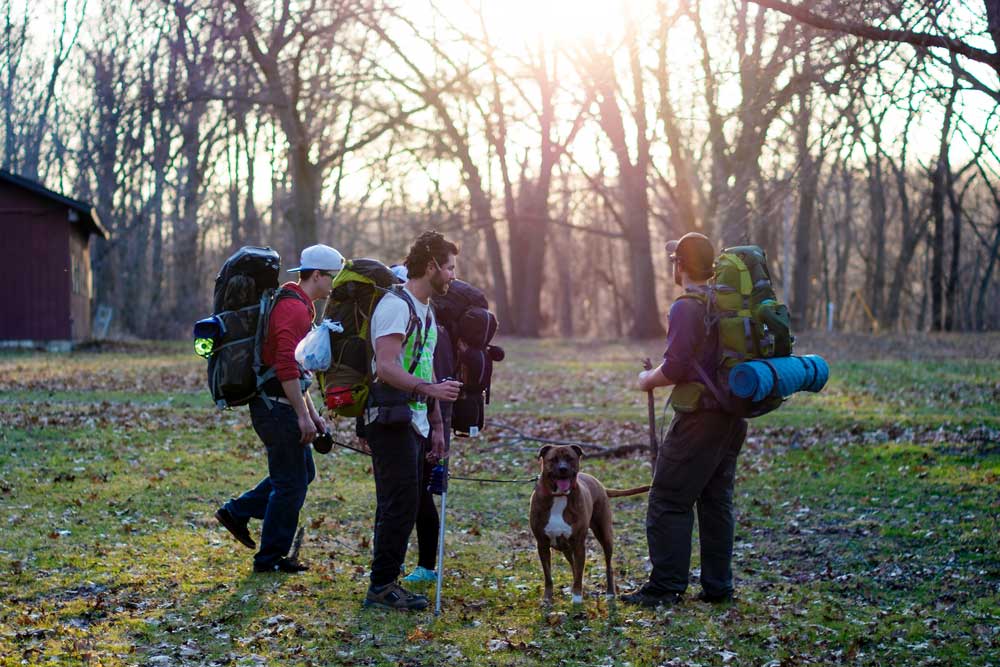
(246,291)
(464,314)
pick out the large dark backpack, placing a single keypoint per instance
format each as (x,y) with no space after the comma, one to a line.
(463,312)
(752,324)
(246,290)
(357,289)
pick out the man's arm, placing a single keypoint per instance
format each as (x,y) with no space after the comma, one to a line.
(387,351)
(655,377)
(438,450)
(307,427)
(683,333)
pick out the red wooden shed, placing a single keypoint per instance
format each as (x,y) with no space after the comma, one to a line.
(45,269)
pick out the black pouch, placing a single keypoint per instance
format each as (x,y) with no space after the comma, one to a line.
(394,414)
(393,404)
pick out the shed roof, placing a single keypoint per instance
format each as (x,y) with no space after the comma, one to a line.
(88,214)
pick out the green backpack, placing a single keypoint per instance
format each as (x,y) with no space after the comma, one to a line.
(357,289)
(752,324)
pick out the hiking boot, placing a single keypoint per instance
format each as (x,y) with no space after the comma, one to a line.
(716,599)
(394,596)
(286,565)
(644,597)
(236,528)
(421,575)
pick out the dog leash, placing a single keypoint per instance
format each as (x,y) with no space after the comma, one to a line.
(450,477)
(496,481)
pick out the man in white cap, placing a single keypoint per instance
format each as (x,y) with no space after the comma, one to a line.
(285,419)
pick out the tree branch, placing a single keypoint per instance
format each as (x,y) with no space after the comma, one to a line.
(921,40)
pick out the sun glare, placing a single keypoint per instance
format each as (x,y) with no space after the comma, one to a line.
(515,22)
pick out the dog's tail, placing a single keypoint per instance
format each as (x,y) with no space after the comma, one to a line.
(618,493)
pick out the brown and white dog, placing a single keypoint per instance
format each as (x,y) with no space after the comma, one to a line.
(564,504)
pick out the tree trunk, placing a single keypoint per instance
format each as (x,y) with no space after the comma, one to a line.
(938,193)
(843,235)
(951,294)
(527,260)
(875,271)
(984,284)
(804,269)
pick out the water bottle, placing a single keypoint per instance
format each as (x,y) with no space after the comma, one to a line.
(438,483)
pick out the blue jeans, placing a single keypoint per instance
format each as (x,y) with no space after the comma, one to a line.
(278,497)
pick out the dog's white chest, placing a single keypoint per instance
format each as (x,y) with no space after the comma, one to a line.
(557,526)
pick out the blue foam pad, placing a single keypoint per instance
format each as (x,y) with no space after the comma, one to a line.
(757,379)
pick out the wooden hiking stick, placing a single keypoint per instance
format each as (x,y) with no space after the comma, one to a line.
(297,543)
(651,409)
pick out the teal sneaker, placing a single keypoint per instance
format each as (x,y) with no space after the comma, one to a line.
(420,575)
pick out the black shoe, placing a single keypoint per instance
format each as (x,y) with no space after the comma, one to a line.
(394,596)
(237,528)
(282,565)
(645,598)
(716,599)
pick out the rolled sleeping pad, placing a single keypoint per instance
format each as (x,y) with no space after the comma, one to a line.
(757,379)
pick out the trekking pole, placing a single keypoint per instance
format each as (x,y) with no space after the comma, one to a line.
(651,409)
(293,554)
(442,470)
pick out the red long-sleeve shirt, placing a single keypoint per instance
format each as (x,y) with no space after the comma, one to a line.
(290,321)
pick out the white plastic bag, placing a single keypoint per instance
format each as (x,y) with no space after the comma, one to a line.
(313,351)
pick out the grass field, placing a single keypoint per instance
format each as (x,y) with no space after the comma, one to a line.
(867,521)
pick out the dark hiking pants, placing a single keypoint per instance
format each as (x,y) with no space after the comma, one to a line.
(696,465)
(278,498)
(397,463)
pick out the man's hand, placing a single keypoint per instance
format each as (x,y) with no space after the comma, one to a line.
(319,422)
(650,379)
(363,446)
(642,381)
(307,427)
(447,390)
(438,450)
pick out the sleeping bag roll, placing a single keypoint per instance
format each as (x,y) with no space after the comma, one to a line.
(784,375)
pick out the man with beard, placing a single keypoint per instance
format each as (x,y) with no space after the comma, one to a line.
(696,462)
(399,420)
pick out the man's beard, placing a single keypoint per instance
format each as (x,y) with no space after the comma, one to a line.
(439,285)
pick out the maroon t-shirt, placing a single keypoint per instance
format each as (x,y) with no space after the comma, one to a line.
(291,320)
(689,342)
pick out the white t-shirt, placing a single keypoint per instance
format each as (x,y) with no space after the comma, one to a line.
(392,316)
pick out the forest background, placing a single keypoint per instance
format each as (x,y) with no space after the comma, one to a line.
(560,143)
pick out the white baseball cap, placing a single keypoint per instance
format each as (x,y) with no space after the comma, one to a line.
(319,258)
(399,270)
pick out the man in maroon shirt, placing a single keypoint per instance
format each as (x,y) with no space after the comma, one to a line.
(285,420)
(696,462)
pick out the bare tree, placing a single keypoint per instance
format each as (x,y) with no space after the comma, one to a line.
(305,61)
(922,27)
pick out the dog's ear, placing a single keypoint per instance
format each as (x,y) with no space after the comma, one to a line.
(578,449)
(543,451)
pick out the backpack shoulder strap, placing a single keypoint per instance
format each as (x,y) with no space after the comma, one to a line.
(697,296)
(267,303)
(413,325)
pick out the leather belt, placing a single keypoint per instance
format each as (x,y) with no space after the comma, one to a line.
(276,399)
